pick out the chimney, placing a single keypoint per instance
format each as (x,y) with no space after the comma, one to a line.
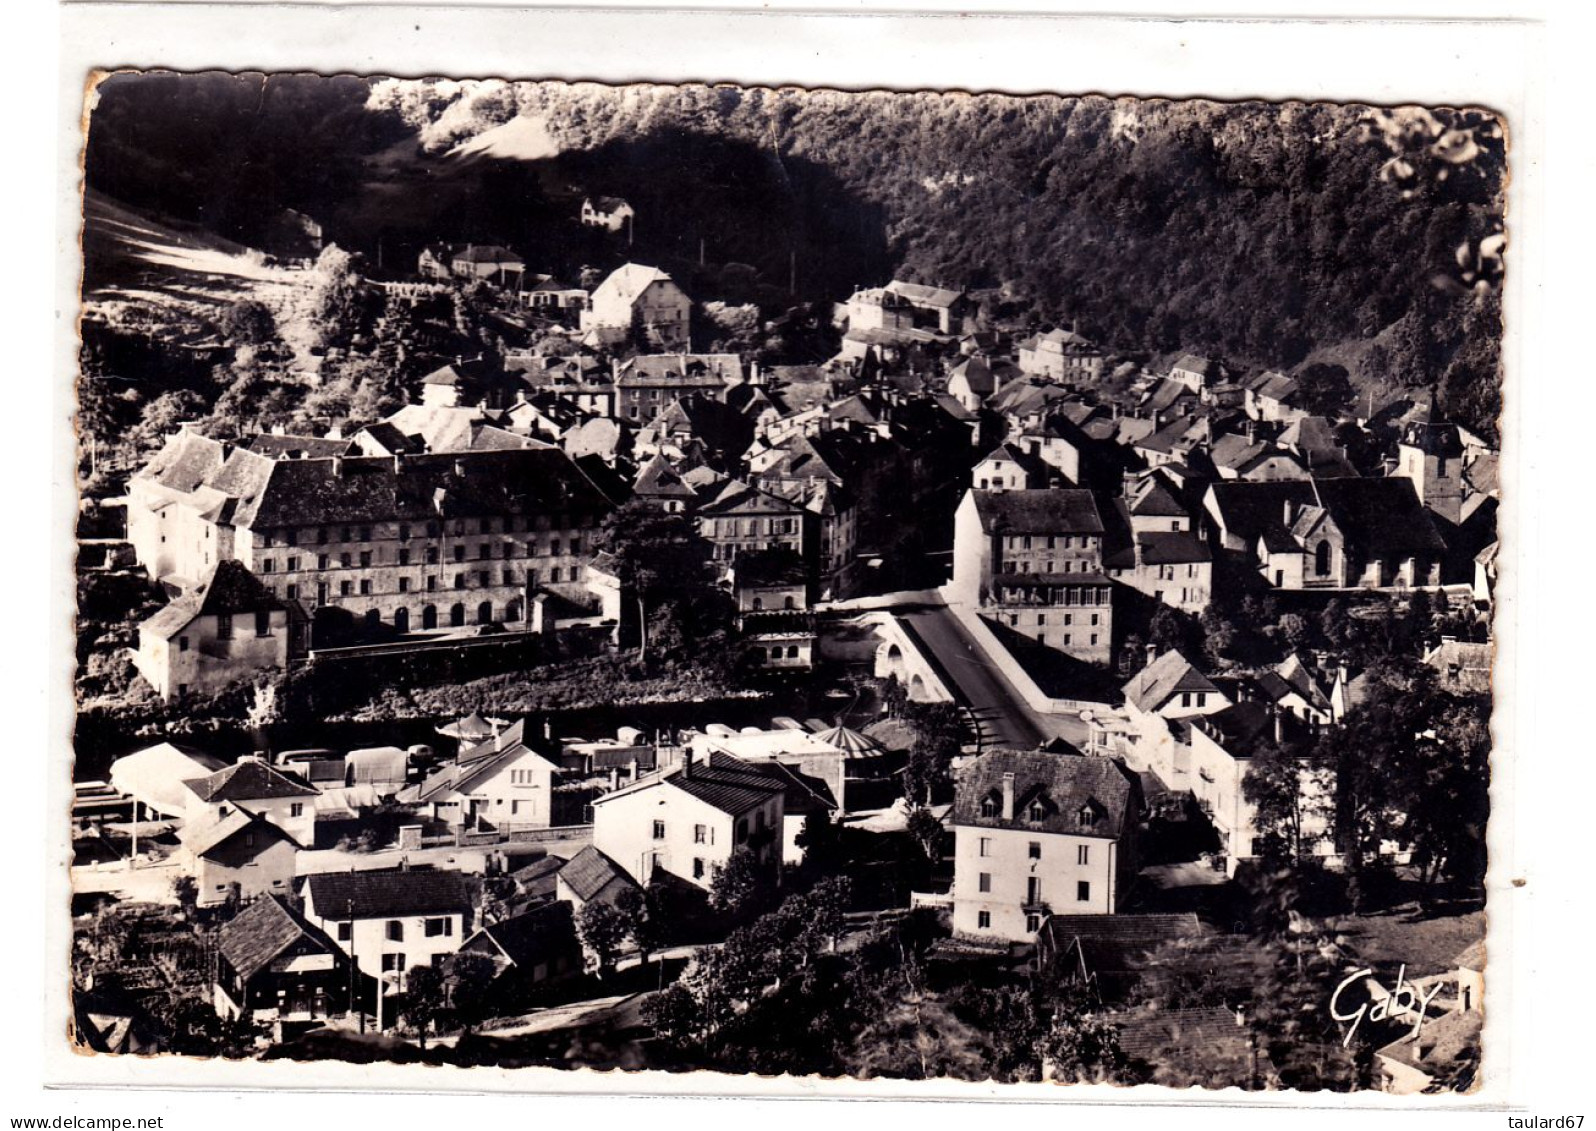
(1152,653)
(687,762)
(1280,725)
(1290,513)
(1128,481)
(338,467)
(1008,797)
(459,467)
(1158,420)
(498,736)
(398,462)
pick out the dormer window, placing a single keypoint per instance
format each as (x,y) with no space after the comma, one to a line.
(1036,812)
(990,806)
(1087,817)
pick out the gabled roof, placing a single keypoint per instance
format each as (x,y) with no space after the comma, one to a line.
(154,776)
(254,938)
(202,838)
(1152,499)
(590,873)
(486,253)
(1168,675)
(1047,511)
(726,783)
(977,374)
(1238,729)
(710,369)
(277,446)
(249,780)
(1272,385)
(626,283)
(921,295)
(1463,665)
(658,479)
(533,936)
(388,894)
(1067,784)
(1214,1031)
(476,763)
(184,461)
(1194,363)
(1434,439)
(1309,433)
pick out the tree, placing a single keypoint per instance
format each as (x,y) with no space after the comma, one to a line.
(1280,785)
(424,998)
(742,888)
(927,832)
(660,557)
(249,323)
(470,980)
(602,928)
(1376,765)
(1323,389)
(646,917)
(1080,1047)
(1296,631)
(333,302)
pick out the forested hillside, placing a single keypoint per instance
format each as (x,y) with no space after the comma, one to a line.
(1269,235)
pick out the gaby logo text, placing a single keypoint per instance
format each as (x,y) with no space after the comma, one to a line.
(1401,1000)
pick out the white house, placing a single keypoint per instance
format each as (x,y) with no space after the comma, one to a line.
(227,627)
(251,783)
(389,921)
(1039,833)
(608,212)
(642,297)
(689,820)
(1157,700)
(501,783)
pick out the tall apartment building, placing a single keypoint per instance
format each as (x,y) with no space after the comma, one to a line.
(408,541)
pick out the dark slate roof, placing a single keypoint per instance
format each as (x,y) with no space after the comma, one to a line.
(277,446)
(1247,509)
(589,872)
(1381,517)
(1238,729)
(535,935)
(1154,500)
(388,894)
(726,783)
(249,780)
(230,589)
(1434,439)
(1049,511)
(260,932)
(1066,782)
(1160,547)
(370,489)
(1170,673)
(976,373)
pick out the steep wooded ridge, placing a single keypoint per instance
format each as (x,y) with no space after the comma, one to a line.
(1268,234)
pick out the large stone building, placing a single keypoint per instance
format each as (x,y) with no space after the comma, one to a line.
(405,541)
(1033,561)
(1036,834)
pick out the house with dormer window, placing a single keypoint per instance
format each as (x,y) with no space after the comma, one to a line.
(1039,833)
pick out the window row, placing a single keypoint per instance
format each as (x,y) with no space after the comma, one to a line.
(433,528)
(431,555)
